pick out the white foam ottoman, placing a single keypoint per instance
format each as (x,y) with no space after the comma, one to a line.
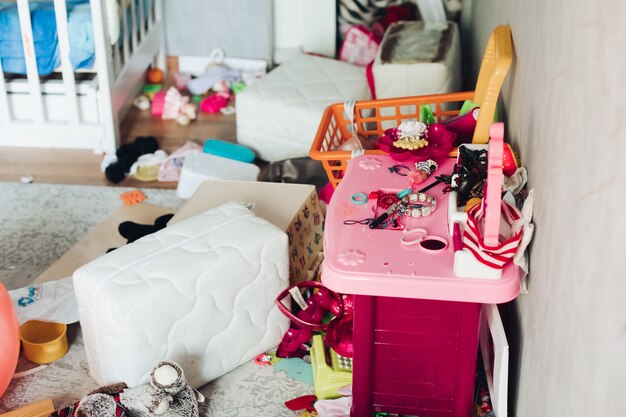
(200,292)
(417,58)
(279,115)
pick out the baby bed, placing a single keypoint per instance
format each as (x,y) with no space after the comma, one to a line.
(70,106)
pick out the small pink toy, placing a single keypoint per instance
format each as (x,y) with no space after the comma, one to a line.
(158,103)
(463,126)
(214,103)
(181,80)
(174,101)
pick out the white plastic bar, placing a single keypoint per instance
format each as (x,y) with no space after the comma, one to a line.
(125,45)
(31,59)
(105,73)
(142,23)
(69,82)
(150,15)
(117,63)
(5,115)
(133,18)
(161,60)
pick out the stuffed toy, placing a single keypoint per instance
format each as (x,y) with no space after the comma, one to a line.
(167,395)
(127,155)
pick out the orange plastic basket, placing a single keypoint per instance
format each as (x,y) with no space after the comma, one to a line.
(373,117)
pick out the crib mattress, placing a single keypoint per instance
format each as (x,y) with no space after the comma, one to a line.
(279,115)
(417,58)
(199,292)
(45,38)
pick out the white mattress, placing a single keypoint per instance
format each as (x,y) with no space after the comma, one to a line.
(421,64)
(279,115)
(200,292)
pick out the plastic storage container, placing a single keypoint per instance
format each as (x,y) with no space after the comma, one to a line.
(203,166)
(228,150)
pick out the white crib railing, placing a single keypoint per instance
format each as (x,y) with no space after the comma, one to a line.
(68,113)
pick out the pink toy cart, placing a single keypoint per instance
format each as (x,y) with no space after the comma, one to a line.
(415,321)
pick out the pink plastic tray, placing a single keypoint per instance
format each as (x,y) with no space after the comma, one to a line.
(360,260)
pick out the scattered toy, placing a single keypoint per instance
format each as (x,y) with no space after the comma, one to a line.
(132,197)
(142,102)
(127,154)
(168,394)
(214,103)
(154,76)
(27,179)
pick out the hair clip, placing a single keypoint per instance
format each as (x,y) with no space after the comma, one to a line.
(429,166)
(395,169)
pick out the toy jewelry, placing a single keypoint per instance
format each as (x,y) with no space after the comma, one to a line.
(350,222)
(413,236)
(359,198)
(412,135)
(421,205)
(422,171)
(404,192)
(386,200)
(380,219)
(429,166)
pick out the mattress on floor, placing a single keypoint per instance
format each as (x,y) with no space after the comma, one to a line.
(417,58)
(200,292)
(279,115)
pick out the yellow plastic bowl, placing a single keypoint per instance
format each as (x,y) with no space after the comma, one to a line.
(43,342)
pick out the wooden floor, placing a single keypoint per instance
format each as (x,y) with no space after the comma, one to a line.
(83,166)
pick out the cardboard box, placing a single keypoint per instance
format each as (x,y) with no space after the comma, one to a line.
(293,208)
(99,239)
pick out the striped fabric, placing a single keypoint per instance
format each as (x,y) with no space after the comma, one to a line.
(363,12)
(494,256)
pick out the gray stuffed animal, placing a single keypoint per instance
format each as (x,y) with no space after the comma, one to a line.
(167,395)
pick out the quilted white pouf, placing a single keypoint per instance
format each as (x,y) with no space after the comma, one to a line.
(200,292)
(279,115)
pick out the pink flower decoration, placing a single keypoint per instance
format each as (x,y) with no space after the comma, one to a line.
(370,163)
(352,257)
(440,141)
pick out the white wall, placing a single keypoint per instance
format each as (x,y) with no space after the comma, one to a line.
(565,104)
(242,28)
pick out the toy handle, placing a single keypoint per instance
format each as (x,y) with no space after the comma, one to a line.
(301,322)
(495,65)
(492,200)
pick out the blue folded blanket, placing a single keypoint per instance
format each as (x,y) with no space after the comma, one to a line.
(45,36)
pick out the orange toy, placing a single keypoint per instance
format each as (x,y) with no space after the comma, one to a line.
(154,76)
(132,197)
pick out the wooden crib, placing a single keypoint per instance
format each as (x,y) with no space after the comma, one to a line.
(82,109)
